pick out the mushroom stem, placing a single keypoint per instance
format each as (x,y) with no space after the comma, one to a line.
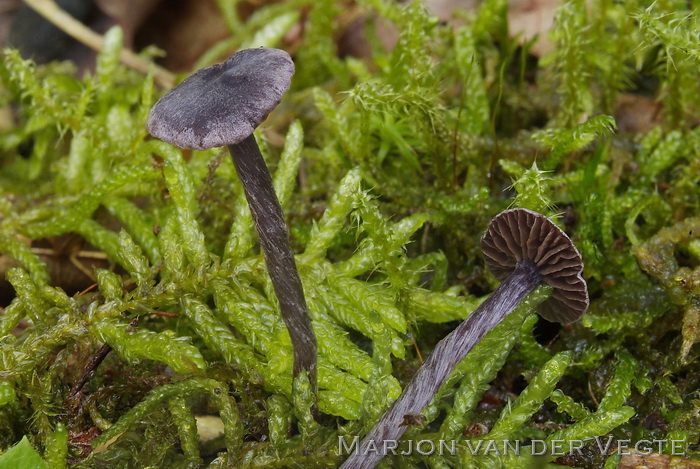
(274,239)
(441,362)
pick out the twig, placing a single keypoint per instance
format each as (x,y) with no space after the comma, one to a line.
(91,287)
(590,393)
(78,31)
(93,363)
(90,368)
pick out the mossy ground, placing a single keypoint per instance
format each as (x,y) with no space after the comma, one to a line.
(389,167)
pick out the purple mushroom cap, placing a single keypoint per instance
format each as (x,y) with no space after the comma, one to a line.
(223,104)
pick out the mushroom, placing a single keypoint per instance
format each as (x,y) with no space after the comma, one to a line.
(523,249)
(222,105)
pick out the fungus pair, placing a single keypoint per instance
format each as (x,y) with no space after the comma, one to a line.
(221,105)
(523,249)
(224,103)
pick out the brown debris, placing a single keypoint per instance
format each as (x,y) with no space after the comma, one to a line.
(638,460)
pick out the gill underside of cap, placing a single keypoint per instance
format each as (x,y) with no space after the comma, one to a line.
(520,235)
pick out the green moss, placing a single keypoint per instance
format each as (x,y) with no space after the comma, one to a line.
(390,170)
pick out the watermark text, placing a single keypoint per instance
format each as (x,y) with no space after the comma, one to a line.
(609,445)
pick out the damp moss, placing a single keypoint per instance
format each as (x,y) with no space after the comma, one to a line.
(389,168)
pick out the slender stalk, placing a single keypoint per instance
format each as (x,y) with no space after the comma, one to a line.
(274,239)
(440,364)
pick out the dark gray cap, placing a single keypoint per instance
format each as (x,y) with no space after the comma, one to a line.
(223,104)
(518,235)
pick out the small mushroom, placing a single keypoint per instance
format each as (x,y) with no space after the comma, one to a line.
(222,105)
(523,249)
